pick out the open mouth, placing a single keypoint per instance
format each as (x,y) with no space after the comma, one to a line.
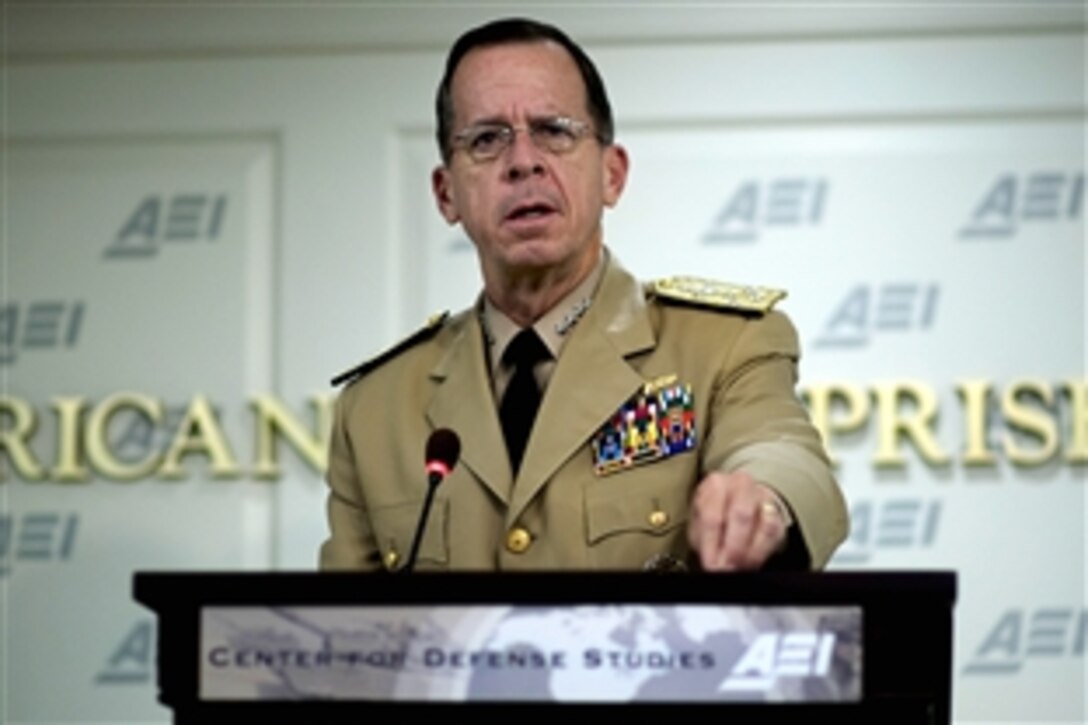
(530,211)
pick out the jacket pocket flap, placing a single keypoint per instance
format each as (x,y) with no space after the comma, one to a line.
(627,503)
(396,528)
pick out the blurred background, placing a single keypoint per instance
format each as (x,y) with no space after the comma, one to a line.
(209,210)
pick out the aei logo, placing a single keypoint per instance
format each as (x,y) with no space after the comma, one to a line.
(179,218)
(773,655)
(902,524)
(132,659)
(1012,200)
(36,537)
(1019,635)
(39,325)
(757,206)
(889,308)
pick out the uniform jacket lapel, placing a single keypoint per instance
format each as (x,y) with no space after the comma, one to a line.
(463,402)
(591,380)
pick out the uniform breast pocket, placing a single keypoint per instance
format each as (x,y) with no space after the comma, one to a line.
(395,528)
(636,516)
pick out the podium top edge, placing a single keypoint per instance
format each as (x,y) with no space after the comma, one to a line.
(173,589)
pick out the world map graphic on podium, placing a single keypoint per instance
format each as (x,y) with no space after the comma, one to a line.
(564,654)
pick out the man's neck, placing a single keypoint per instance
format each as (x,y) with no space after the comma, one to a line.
(527,295)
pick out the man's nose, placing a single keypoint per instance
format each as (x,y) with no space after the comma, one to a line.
(523,159)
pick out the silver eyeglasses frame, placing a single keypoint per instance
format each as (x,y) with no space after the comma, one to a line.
(553,134)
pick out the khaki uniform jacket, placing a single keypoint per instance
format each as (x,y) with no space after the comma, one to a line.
(558,513)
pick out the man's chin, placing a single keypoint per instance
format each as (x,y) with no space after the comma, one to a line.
(534,254)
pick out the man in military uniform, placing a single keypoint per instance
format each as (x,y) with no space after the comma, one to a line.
(555,379)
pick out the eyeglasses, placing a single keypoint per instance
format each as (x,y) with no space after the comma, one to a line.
(487,141)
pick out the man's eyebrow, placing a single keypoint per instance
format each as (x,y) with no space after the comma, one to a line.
(533,118)
(490,121)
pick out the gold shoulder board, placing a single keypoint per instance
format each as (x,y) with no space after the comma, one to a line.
(434,323)
(712,293)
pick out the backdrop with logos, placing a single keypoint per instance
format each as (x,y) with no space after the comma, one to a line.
(192,248)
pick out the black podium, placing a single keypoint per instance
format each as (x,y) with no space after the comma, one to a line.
(860,647)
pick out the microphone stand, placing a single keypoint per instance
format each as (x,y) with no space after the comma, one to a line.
(433,479)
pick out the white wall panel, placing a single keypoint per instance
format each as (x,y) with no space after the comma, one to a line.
(156,256)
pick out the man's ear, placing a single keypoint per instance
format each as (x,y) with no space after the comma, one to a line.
(616,166)
(442,188)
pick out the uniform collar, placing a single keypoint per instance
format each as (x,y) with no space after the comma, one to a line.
(554,326)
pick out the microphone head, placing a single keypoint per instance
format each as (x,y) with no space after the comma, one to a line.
(443,447)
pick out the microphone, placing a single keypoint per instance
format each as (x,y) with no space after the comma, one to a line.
(443,450)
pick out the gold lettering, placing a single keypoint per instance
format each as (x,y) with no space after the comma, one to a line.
(976,401)
(1077,452)
(199,432)
(274,420)
(69,467)
(15,438)
(96,436)
(1035,429)
(1035,423)
(892,424)
(822,398)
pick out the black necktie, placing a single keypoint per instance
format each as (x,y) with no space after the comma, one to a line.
(522,397)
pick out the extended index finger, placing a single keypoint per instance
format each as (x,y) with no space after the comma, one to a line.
(707,528)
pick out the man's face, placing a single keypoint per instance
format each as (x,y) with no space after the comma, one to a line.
(528,208)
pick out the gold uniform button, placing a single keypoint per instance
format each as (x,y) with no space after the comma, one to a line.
(658,519)
(391,559)
(518,540)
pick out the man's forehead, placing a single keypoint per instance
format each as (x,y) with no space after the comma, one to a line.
(534,48)
(540,71)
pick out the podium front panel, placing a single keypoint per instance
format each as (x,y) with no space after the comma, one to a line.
(284,647)
(533,653)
